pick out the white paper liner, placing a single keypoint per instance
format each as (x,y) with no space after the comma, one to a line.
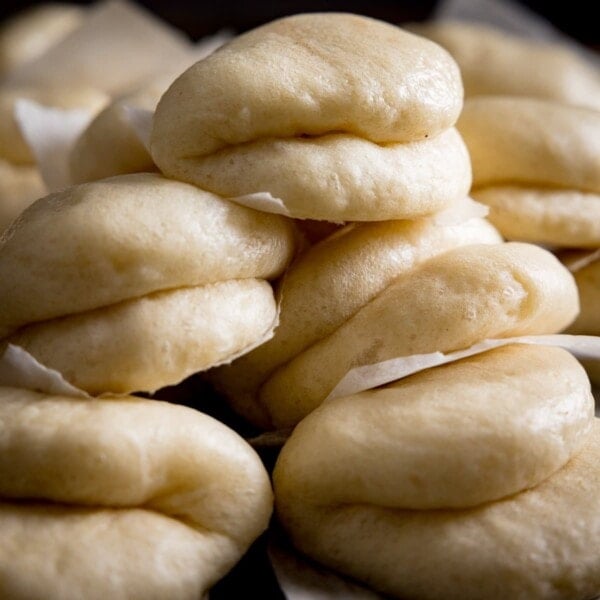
(460,212)
(302,580)
(19,369)
(140,121)
(577,260)
(118,46)
(264,202)
(50,134)
(372,376)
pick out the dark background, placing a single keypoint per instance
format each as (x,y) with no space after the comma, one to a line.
(198,18)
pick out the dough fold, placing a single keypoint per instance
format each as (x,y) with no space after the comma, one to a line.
(351,122)
(136,282)
(124,497)
(503,445)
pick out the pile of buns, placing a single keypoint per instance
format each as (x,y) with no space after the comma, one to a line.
(532,124)
(477,479)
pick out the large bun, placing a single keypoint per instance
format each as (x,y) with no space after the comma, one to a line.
(135,282)
(337,127)
(126,498)
(503,446)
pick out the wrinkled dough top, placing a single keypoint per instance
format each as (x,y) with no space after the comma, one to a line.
(100,243)
(310,75)
(528,141)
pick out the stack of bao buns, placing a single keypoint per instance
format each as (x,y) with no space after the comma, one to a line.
(125,284)
(431,486)
(23,39)
(476,479)
(130,284)
(536,165)
(532,124)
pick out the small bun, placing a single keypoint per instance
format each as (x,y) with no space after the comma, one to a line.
(13,146)
(330,283)
(101,243)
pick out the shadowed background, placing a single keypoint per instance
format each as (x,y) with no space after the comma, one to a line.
(197,18)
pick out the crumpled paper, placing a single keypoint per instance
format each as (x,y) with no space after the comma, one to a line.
(51,133)
(19,369)
(371,376)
